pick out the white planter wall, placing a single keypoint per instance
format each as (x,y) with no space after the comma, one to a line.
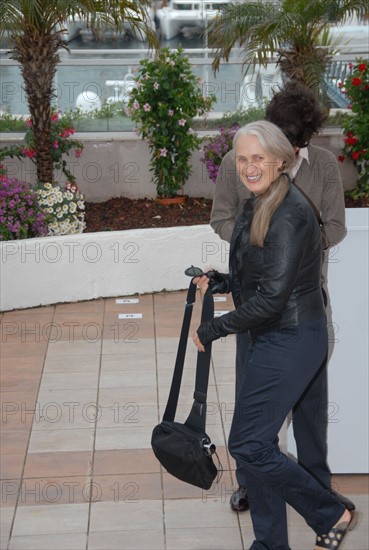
(71,268)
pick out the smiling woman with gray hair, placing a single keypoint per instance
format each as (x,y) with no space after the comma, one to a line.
(275,279)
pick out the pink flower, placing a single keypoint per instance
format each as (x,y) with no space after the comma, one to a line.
(182,122)
(64,133)
(147,107)
(78,153)
(54,117)
(71,131)
(163,152)
(170,112)
(29,152)
(56,144)
(128,111)
(136,104)
(29,122)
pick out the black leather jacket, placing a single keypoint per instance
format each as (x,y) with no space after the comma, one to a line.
(279,285)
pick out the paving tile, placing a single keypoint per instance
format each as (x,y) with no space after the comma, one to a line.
(79,307)
(34,311)
(126,461)
(199,513)
(140,396)
(14,441)
(20,380)
(356,484)
(72,363)
(6,519)
(175,489)
(19,349)
(16,417)
(170,345)
(69,381)
(214,538)
(130,516)
(132,344)
(9,489)
(51,520)
(128,414)
(11,465)
(53,464)
(61,440)
(75,541)
(126,378)
(65,409)
(149,539)
(128,488)
(123,438)
(53,491)
(128,361)
(76,347)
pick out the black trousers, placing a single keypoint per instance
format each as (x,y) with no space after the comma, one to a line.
(310,417)
(278,368)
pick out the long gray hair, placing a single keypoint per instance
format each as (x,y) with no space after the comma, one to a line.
(275,143)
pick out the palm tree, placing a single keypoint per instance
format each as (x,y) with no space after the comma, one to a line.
(36,29)
(290,29)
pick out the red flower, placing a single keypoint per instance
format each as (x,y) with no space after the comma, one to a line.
(341,158)
(355,155)
(351,140)
(350,65)
(54,117)
(362,67)
(356,81)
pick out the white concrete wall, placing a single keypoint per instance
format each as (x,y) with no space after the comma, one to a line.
(72,268)
(348,317)
(117,164)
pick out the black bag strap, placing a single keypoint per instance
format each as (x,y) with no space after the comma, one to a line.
(197,416)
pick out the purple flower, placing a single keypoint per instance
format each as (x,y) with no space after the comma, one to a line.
(163,152)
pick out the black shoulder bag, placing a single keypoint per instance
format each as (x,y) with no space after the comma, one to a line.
(185,450)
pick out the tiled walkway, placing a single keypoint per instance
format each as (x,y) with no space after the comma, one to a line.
(81,391)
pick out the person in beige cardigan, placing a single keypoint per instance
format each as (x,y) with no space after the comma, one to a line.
(295,110)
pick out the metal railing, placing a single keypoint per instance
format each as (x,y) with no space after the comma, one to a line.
(98,73)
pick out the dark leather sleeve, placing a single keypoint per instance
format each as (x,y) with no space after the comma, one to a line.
(282,255)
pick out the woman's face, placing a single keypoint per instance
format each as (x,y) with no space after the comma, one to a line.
(256,168)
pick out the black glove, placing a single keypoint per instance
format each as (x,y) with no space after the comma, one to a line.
(218,282)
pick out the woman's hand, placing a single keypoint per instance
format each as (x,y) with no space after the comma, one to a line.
(203,283)
(197,342)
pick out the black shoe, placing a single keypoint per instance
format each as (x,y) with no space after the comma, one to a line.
(239,500)
(345,501)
